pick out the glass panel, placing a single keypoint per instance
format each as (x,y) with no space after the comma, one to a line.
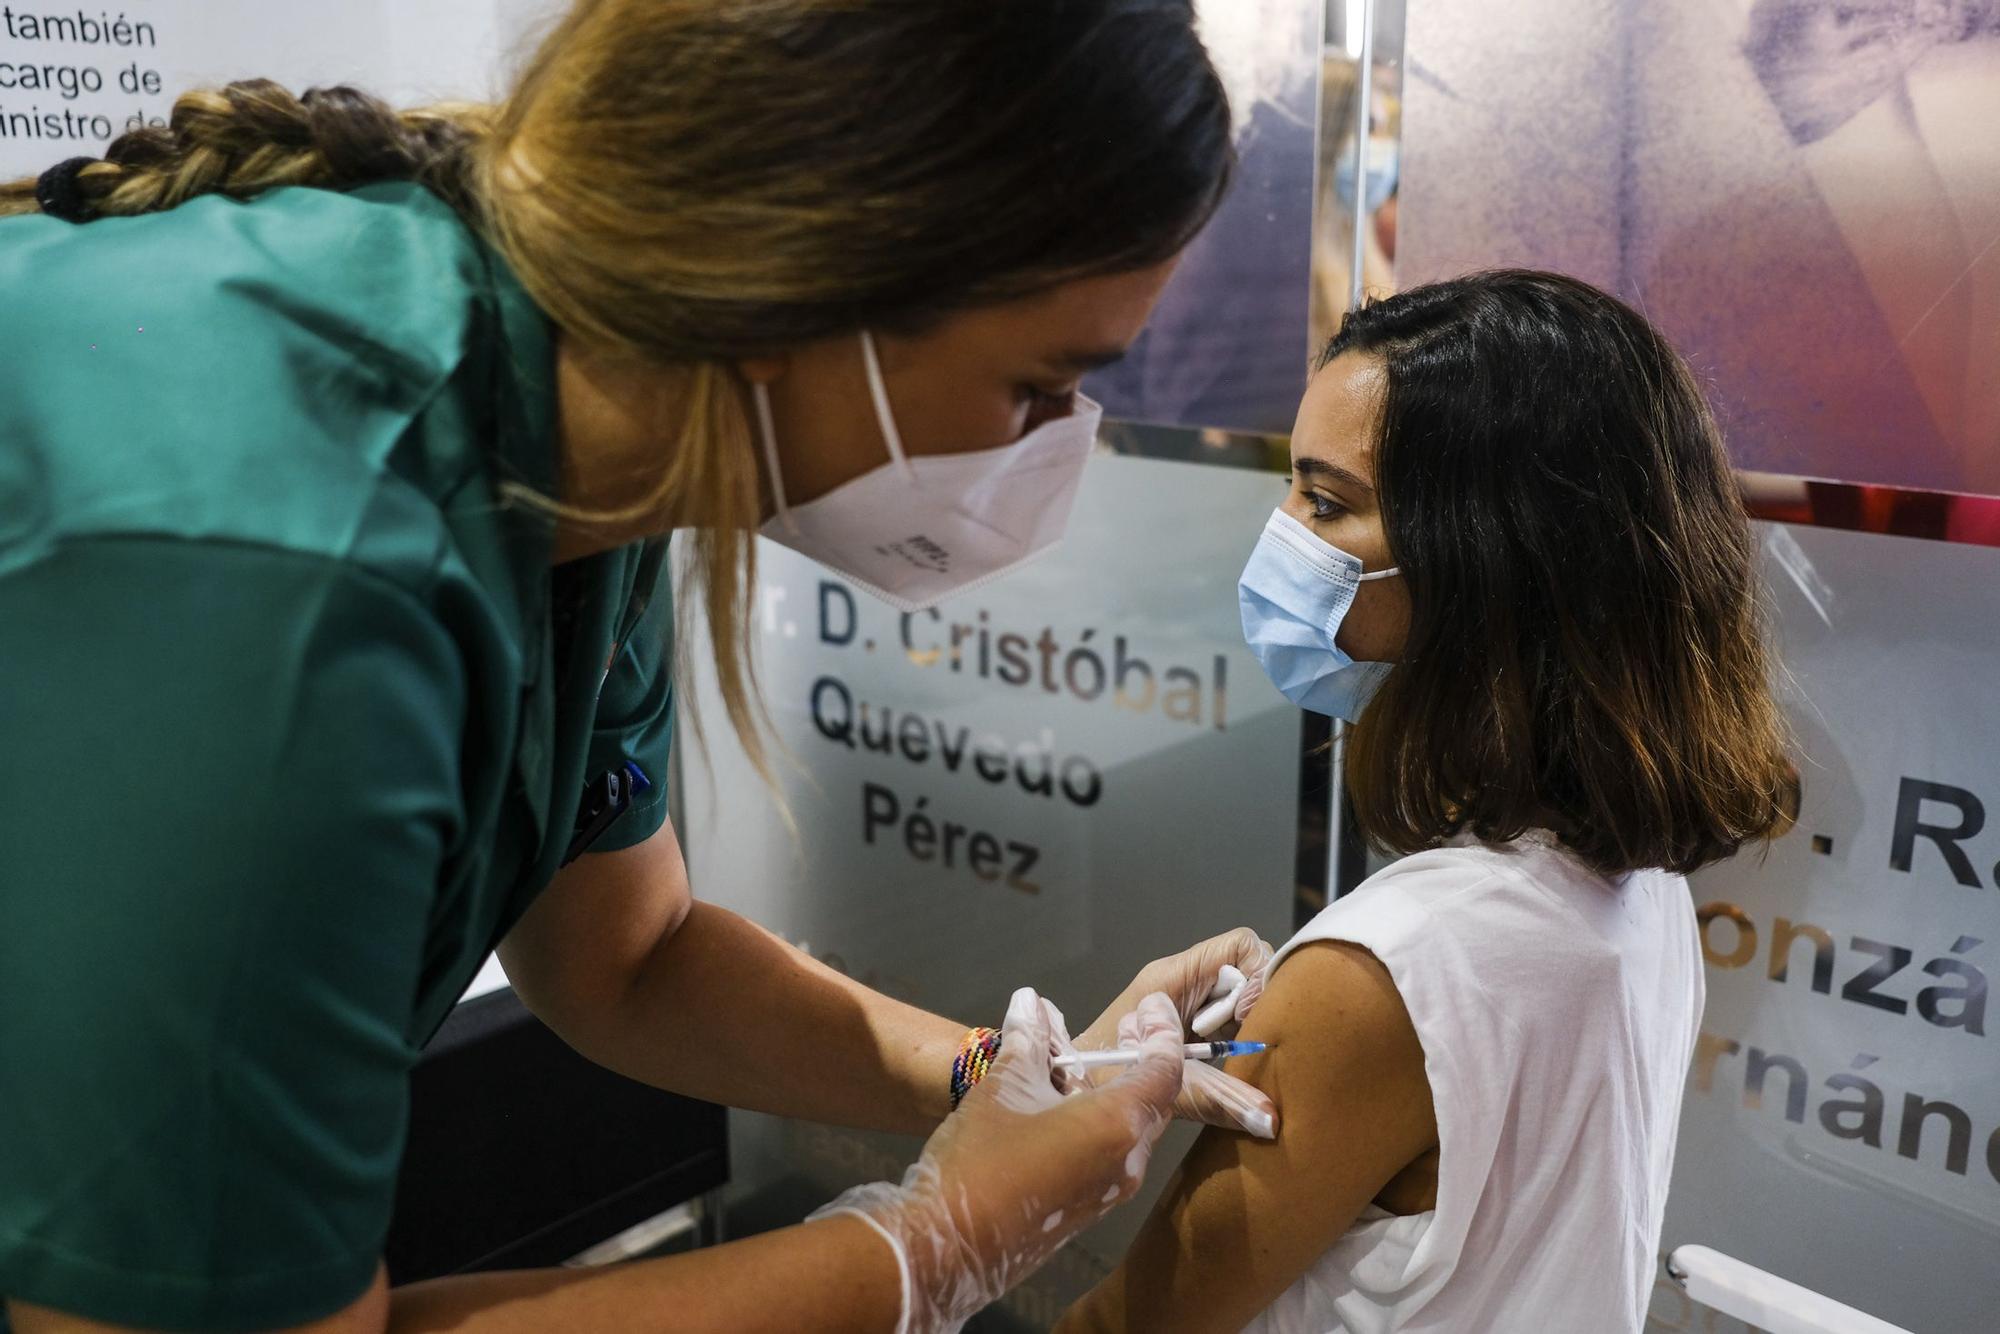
(1096,716)
(1842,1122)
(83,108)
(1804,194)
(107,71)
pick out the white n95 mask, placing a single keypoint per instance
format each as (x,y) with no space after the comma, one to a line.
(1293,595)
(914,531)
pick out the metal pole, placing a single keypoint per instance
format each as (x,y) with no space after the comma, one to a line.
(1363,124)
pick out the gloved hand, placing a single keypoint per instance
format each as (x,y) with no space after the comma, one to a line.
(1020,1168)
(1189,979)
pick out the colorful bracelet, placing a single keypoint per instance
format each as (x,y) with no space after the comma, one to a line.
(976,1055)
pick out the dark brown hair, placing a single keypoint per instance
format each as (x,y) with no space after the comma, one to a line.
(1585,651)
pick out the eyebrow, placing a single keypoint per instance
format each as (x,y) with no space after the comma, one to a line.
(1321,468)
(1087,359)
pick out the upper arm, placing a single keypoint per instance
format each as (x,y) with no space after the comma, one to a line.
(229,780)
(1244,1218)
(572,956)
(575,953)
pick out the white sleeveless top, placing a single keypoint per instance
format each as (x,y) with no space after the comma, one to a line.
(1557,1011)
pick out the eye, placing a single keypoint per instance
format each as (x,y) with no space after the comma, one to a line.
(1324,507)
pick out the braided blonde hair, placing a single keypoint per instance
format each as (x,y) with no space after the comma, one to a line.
(686,184)
(255,135)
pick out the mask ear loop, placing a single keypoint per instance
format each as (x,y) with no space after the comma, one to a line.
(760,397)
(884,418)
(1389,573)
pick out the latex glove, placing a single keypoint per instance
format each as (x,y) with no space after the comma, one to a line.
(1208,1095)
(1020,1168)
(1220,1012)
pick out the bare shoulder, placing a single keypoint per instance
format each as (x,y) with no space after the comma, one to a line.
(1323,982)
(1343,1048)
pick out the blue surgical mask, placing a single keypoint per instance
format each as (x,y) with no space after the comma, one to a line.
(1381,174)
(1293,594)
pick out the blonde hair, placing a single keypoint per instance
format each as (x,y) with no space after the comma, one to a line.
(688,183)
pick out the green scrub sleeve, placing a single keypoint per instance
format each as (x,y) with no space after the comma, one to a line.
(232,780)
(635,717)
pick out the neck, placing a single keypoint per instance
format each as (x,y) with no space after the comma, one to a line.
(612,443)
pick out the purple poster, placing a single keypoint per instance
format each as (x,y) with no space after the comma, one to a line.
(1805,194)
(1228,345)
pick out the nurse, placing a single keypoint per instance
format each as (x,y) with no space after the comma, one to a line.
(336,633)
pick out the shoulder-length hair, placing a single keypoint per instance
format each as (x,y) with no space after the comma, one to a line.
(1585,651)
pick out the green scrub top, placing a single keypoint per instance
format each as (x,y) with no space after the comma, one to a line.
(289,732)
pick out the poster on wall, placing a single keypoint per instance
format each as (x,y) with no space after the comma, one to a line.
(1228,344)
(73,79)
(1047,782)
(1805,194)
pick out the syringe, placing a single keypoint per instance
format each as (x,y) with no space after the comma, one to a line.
(1194,1051)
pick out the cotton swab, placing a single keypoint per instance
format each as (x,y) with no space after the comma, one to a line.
(1222,1002)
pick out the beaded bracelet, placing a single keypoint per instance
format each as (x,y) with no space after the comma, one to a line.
(976,1054)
